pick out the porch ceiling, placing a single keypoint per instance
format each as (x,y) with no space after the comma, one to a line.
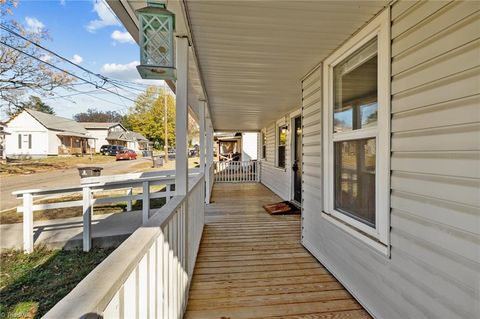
(253,54)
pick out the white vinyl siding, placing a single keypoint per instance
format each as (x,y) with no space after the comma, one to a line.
(434,269)
(28,137)
(275,178)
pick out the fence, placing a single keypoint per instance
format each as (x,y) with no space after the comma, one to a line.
(91,190)
(148,275)
(237,172)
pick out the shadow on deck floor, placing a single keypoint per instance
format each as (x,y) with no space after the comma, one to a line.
(252,265)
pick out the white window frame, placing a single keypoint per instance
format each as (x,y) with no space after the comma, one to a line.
(263,143)
(378,236)
(279,124)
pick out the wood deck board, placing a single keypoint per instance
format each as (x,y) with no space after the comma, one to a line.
(252,265)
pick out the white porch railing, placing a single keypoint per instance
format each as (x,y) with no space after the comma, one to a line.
(91,191)
(148,275)
(237,172)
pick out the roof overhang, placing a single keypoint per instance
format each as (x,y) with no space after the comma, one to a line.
(73,134)
(248,57)
(125,11)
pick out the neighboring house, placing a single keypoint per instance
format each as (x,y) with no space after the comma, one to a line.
(236,146)
(137,141)
(114,134)
(3,133)
(38,134)
(103,132)
(129,139)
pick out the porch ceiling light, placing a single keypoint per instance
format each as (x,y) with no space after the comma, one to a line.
(156,26)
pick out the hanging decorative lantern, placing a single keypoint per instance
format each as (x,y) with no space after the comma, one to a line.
(157,52)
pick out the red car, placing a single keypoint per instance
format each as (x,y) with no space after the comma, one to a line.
(126,155)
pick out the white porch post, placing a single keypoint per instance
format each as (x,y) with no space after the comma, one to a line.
(181,118)
(201,120)
(209,159)
(27,222)
(87,219)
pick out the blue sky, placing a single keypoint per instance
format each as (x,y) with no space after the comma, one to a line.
(87,33)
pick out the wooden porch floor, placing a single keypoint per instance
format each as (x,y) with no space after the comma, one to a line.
(252,265)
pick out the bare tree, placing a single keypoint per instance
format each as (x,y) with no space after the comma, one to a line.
(22,67)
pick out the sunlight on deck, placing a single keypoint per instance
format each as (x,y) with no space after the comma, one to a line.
(252,265)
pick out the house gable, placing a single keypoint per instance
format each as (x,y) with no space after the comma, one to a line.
(25,122)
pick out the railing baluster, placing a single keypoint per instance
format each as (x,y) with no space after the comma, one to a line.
(171,283)
(27,223)
(160,276)
(166,273)
(168,189)
(175,263)
(153,281)
(145,202)
(130,296)
(250,170)
(142,287)
(87,219)
(129,201)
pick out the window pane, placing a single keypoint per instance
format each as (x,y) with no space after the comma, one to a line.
(282,141)
(355,90)
(264,145)
(355,179)
(281,156)
(282,135)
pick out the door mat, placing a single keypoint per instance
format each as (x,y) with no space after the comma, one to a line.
(282,208)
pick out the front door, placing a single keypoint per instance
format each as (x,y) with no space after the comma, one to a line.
(297,160)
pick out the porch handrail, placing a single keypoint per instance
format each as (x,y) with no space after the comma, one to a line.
(149,274)
(237,171)
(135,176)
(88,189)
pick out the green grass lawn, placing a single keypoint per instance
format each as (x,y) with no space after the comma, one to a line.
(32,284)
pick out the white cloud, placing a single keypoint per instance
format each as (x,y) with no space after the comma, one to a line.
(46,58)
(105,17)
(76,59)
(34,25)
(126,72)
(122,37)
(63,2)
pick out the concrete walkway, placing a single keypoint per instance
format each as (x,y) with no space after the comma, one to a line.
(108,230)
(54,179)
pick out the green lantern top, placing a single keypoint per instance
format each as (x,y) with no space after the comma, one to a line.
(157,27)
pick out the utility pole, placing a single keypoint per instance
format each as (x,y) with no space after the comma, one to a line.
(165,121)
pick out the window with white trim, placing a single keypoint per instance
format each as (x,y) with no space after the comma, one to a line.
(281,145)
(264,145)
(356,133)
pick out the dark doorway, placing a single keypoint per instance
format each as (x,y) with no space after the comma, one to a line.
(297,160)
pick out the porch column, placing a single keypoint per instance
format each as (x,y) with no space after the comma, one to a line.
(201,120)
(209,159)
(181,118)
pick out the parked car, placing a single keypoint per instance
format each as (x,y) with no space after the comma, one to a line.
(104,149)
(126,154)
(114,150)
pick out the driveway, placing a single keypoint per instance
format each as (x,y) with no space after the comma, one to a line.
(53,179)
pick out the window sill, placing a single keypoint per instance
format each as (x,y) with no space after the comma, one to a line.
(378,247)
(283,169)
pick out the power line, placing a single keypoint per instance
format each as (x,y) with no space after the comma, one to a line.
(88,93)
(69,95)
(67,72)
(51,52)
(101,77)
